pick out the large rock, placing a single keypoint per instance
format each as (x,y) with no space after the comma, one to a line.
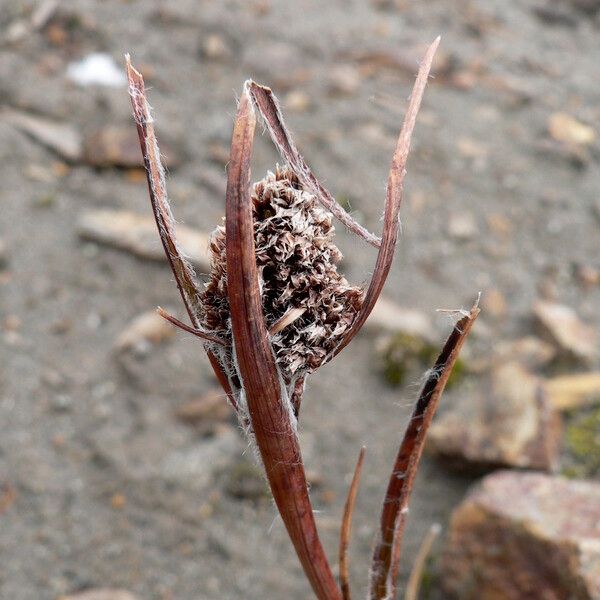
(504,420)
(525,535)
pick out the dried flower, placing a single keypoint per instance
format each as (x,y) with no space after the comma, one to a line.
(297,265)
(275,308)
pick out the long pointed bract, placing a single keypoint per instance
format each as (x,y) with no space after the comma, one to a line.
(386,557)
(391,219)
(207,337)
(182,270)
(268,406)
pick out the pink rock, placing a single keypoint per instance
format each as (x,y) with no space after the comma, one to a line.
(525,535)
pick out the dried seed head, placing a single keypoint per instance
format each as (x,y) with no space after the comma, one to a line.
(297,262)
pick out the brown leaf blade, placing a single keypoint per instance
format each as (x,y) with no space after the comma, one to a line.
(269,409)
(207,337)
(386,557)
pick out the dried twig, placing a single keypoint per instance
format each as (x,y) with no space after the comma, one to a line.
(416,575)
(347,525)
(386,557)
(268,405)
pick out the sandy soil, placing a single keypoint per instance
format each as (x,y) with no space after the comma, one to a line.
(110,489)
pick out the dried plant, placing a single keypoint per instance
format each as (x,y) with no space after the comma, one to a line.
(275,308)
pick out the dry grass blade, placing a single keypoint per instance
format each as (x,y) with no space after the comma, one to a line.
(347,526)
(386,557)
(268,107)
(268,406)
(391,222)
(416,574)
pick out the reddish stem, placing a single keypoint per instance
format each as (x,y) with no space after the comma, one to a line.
(386,557)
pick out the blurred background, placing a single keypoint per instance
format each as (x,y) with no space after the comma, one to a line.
(120,464)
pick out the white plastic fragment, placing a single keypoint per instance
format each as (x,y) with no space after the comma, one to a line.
(96,69)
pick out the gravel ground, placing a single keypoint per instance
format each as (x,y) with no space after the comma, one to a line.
(100,484)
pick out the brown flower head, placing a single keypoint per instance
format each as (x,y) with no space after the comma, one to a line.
(297,264)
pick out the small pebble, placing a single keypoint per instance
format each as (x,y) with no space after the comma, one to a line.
(462,226)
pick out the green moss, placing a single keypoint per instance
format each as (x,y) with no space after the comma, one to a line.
(405,355)
(401,356)
(583,444)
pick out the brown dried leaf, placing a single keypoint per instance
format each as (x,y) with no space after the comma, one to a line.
(182,270)
(391,221)
(268,106)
